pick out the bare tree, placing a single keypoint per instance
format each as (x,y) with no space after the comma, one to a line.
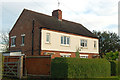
(5,41)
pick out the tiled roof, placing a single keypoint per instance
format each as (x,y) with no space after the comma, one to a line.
(53,23)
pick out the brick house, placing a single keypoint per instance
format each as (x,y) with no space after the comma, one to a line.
(39,34)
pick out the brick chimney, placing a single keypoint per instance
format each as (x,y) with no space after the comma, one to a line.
(58,14)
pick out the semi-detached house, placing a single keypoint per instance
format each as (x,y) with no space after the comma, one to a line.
(39,34)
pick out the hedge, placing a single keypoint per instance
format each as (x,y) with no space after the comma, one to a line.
(118,68)
(114,68)
(79,68)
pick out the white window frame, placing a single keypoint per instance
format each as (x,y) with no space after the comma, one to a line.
(13,37)
(95,44)
(84,42)
(65,40)
(83,56)
(23,35)
(48,36)
(65,55)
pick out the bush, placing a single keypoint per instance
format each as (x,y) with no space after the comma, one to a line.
(79,68)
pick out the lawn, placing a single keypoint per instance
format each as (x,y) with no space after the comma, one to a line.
(47,78)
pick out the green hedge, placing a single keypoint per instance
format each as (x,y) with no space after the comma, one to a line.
(79,68)
(118,68)
(114,68)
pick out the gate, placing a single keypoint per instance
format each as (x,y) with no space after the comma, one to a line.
(13,66)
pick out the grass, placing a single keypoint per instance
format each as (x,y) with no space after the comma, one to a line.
(48,78)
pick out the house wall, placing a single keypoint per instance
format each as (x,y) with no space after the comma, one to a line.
(55,42)
(24,26)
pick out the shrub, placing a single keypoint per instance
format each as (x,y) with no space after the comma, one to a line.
(79,68)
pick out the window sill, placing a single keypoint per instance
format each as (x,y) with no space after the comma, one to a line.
(95,48)
(47,43)
(12,46)
(66,45)
(84,48)
(22,44)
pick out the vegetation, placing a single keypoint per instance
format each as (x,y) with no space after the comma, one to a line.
(114,68)
(111,55)
(108,41)
(77,54)
(5,41)
(79,68)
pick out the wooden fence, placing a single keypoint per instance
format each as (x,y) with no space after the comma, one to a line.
(19,66)
(13,66)
(38,65)
(0,66)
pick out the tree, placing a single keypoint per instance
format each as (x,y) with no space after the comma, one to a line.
(5,41)
(108,41)
(111,55)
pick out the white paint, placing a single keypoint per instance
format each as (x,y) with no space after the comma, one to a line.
(62,54)
(55,44)
(13,54)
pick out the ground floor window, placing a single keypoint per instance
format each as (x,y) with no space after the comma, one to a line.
(83,56)
(65,55)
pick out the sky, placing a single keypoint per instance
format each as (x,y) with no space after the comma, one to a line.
(99,15)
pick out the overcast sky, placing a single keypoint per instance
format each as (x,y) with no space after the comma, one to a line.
(100,15)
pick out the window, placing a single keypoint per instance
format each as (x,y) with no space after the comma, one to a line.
(83,43)
(48,38)
(23,39)
(65,40)
(95,44)
(13,41)
(65,55)
(83,56)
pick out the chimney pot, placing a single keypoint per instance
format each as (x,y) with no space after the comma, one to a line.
(57,13)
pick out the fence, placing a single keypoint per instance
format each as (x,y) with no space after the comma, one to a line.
(0,66)
(13,66)
(19,66)
(38,65)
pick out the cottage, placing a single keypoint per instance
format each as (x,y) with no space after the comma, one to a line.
(39,34)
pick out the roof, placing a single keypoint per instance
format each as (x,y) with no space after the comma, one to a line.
(53,23)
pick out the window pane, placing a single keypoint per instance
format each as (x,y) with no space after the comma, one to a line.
(85,43)
(64,39)
(12,41)
(61,39)
(68,40)
(23,39)
(82,44)
(94,44)
(47,37)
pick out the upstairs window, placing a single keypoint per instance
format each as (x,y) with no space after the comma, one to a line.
(95,44)
(65,40)
(23,39)
(83,43)
(13,41)
(48,38)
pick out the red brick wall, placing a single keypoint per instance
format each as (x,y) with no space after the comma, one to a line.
(57,54)
(24,26)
